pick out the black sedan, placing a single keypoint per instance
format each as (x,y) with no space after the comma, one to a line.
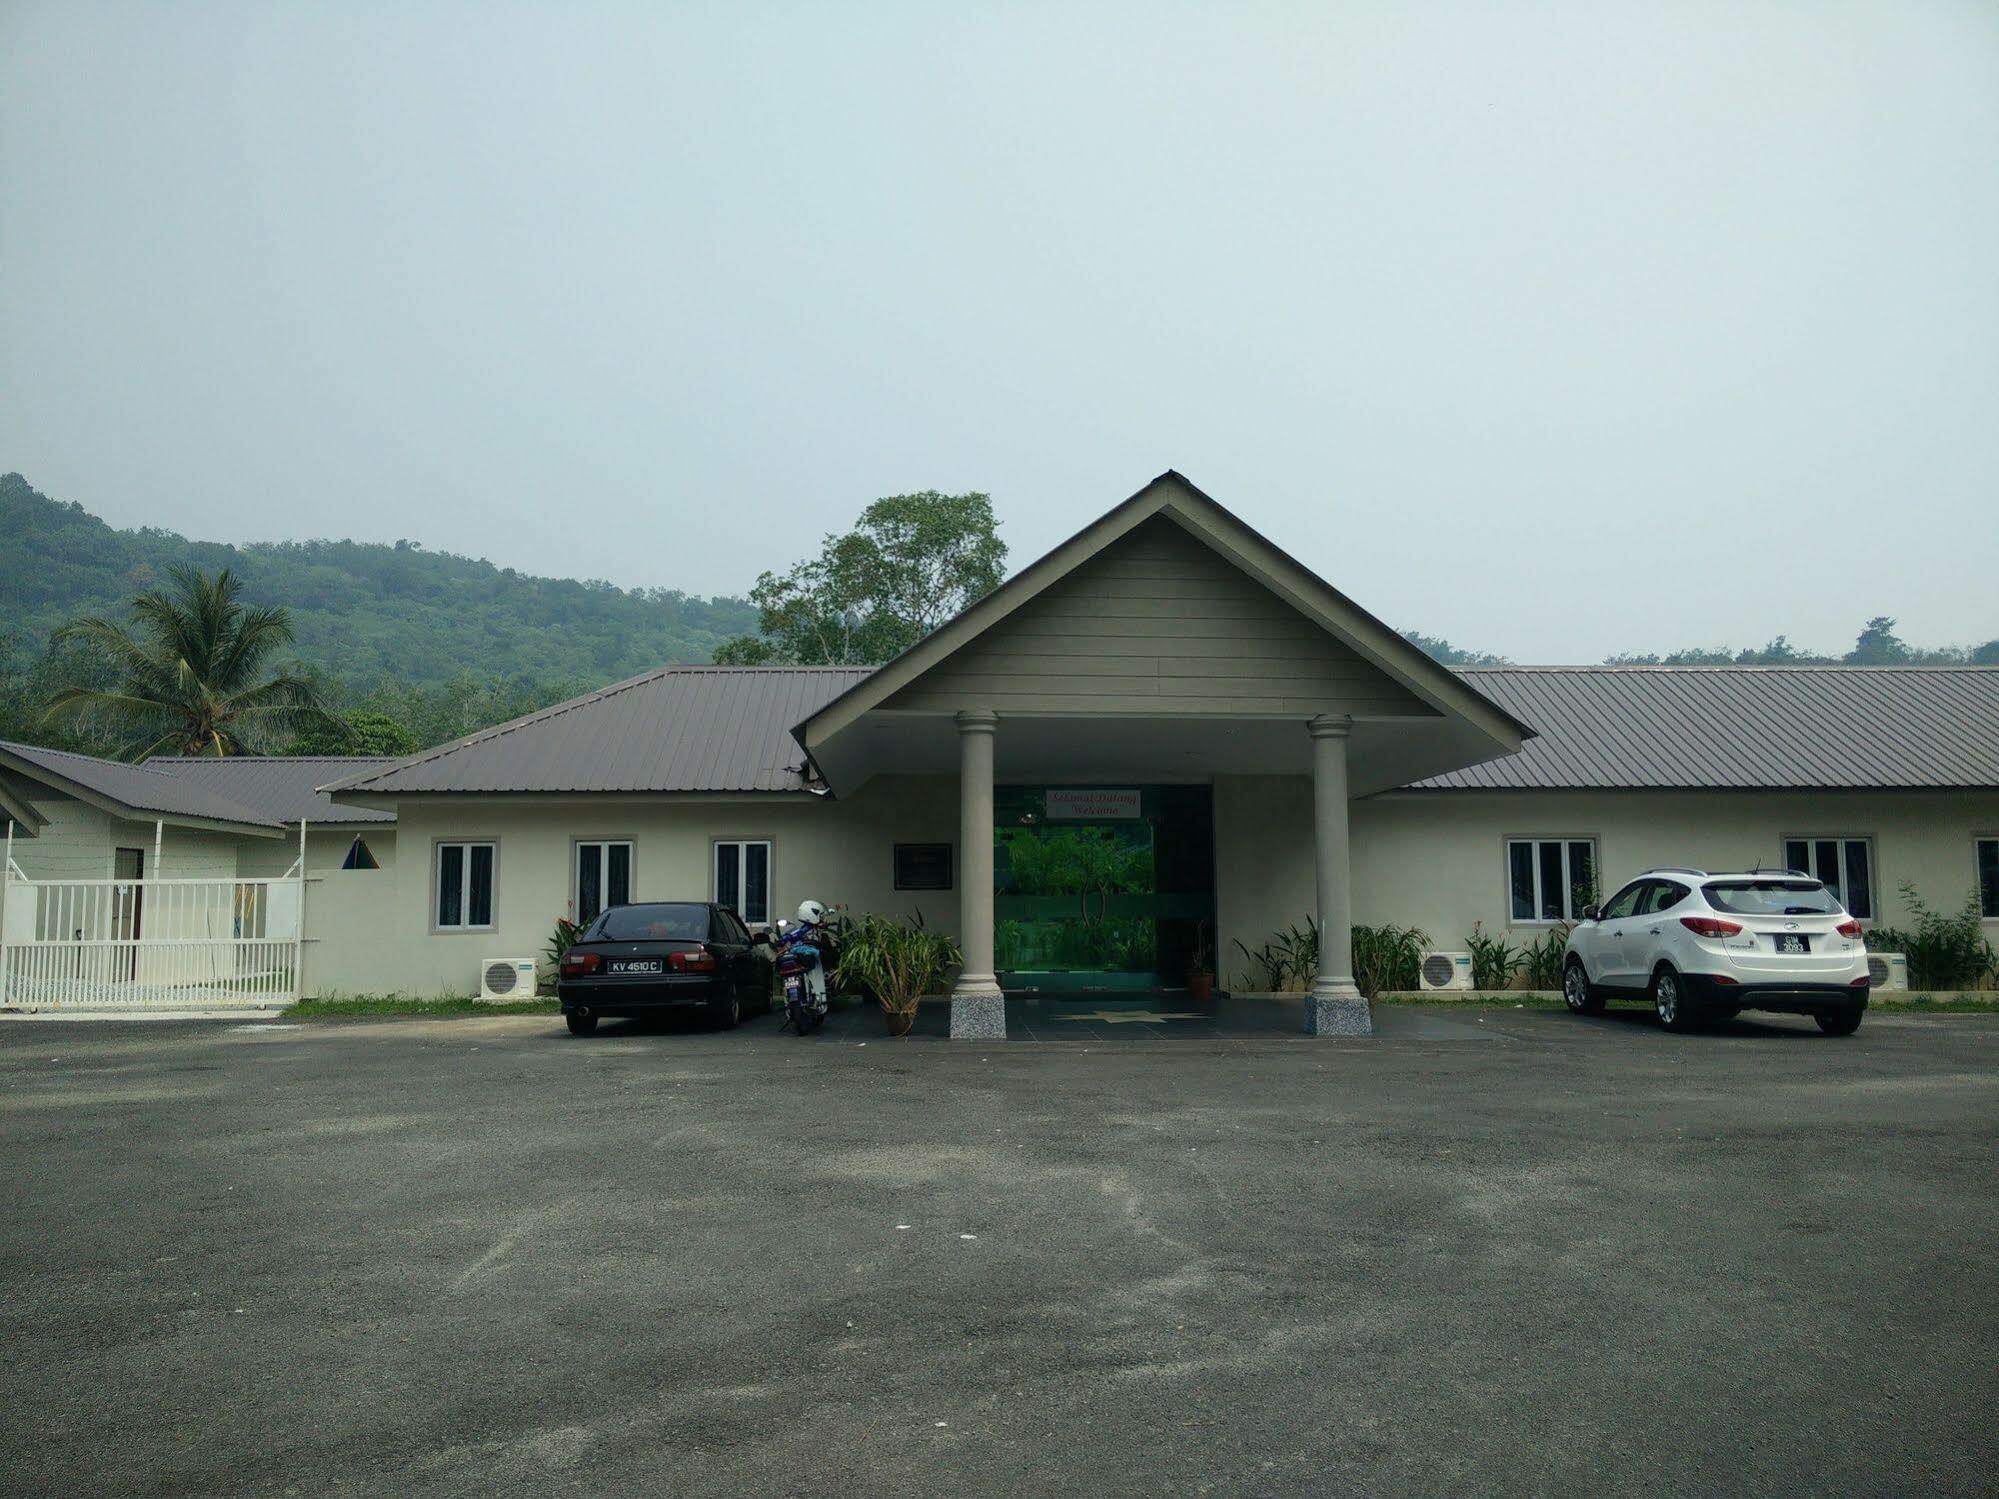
(667,955)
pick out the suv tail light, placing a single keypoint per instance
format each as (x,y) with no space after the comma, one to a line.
(1710,926)
(576,965)
(1848,928)
(699,960)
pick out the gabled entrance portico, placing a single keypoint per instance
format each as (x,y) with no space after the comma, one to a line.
(1167,644)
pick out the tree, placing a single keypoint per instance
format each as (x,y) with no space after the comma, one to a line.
(912,562)
(1439,649)
(189,672)
(1878,645)
(359,731)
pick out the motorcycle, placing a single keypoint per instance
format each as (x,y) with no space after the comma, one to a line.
(804,953)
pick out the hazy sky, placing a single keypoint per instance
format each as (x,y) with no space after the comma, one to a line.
(1553,329)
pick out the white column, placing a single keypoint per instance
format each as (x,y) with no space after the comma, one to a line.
(1335,1006)
(978,1011)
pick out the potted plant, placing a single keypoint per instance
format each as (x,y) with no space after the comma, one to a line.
(898,962)
(1201,977)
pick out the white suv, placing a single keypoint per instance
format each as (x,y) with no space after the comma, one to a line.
(1705,946)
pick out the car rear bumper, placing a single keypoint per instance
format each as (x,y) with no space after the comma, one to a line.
(641,996)
(1795,999)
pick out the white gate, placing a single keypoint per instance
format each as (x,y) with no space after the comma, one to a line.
(149,944)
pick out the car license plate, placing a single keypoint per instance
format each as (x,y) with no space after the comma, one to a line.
(1789,943)
(632,965)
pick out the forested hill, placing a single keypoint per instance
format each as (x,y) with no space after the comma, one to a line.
(366,613)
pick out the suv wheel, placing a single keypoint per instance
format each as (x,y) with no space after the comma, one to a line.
(1578,992)
(1839,1022)
(1671,1002)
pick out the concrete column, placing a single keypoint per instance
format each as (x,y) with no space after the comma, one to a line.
(978,1010)
(1335,1006)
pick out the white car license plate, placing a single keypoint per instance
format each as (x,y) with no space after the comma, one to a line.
(632,965)
(1790,944)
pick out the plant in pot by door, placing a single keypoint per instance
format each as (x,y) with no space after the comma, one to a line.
(1201,977)
(898,962)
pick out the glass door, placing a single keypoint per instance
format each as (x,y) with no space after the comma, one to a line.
(1100,887)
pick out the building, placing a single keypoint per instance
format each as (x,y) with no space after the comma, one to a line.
(1165,740)
(1154,747)
(132,886)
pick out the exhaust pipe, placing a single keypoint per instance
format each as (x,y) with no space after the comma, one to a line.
(583,1010)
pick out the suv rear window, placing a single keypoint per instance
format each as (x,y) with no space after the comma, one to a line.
(1771,898)
(675,923)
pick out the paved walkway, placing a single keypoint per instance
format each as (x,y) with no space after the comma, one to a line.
(1152,1017)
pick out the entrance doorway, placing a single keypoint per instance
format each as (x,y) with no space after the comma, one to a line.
(1101,887)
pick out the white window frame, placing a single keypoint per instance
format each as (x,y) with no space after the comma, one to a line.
(603,847)
(1845,883)
(1534,841)
(742,846)
(437,848)
(1978,841)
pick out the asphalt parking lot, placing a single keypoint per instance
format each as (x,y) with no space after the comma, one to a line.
(1498,1251)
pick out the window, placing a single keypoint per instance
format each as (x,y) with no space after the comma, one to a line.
(359,855)
(1625,902)
(1988,878)
(1844,865)
(465,886)
(923,866)
(601,879)
(677,922)
(742,878)
(1770,898)
(1665,895)
(1550,879)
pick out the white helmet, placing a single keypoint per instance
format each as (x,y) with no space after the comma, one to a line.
(810,913)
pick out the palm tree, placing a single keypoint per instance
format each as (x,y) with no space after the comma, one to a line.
(190,670)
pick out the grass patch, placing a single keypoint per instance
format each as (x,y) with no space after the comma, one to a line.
(374,1006)
(1956,1004)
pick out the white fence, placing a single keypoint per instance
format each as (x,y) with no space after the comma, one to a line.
(149,944)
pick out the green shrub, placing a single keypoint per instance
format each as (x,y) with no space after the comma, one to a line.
(1388,957)
(1494,960)
(559,942)
(1289,960)
(1542,958)
(897,961)
(1268,971)
(1944,951)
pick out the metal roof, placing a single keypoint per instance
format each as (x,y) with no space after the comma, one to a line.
(722,729)
(1742,728)
(681,728)
(282,787)
(134,790)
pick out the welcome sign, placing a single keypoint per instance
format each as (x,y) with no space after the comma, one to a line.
(1080,802)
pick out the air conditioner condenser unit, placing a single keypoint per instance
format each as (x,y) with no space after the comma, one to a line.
(1888,970)
(1446,970)
(504,979)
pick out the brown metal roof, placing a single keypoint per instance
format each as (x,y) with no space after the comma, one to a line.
(681,728)
(721,729)
(134,790)
(1742,728)
(282,787)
